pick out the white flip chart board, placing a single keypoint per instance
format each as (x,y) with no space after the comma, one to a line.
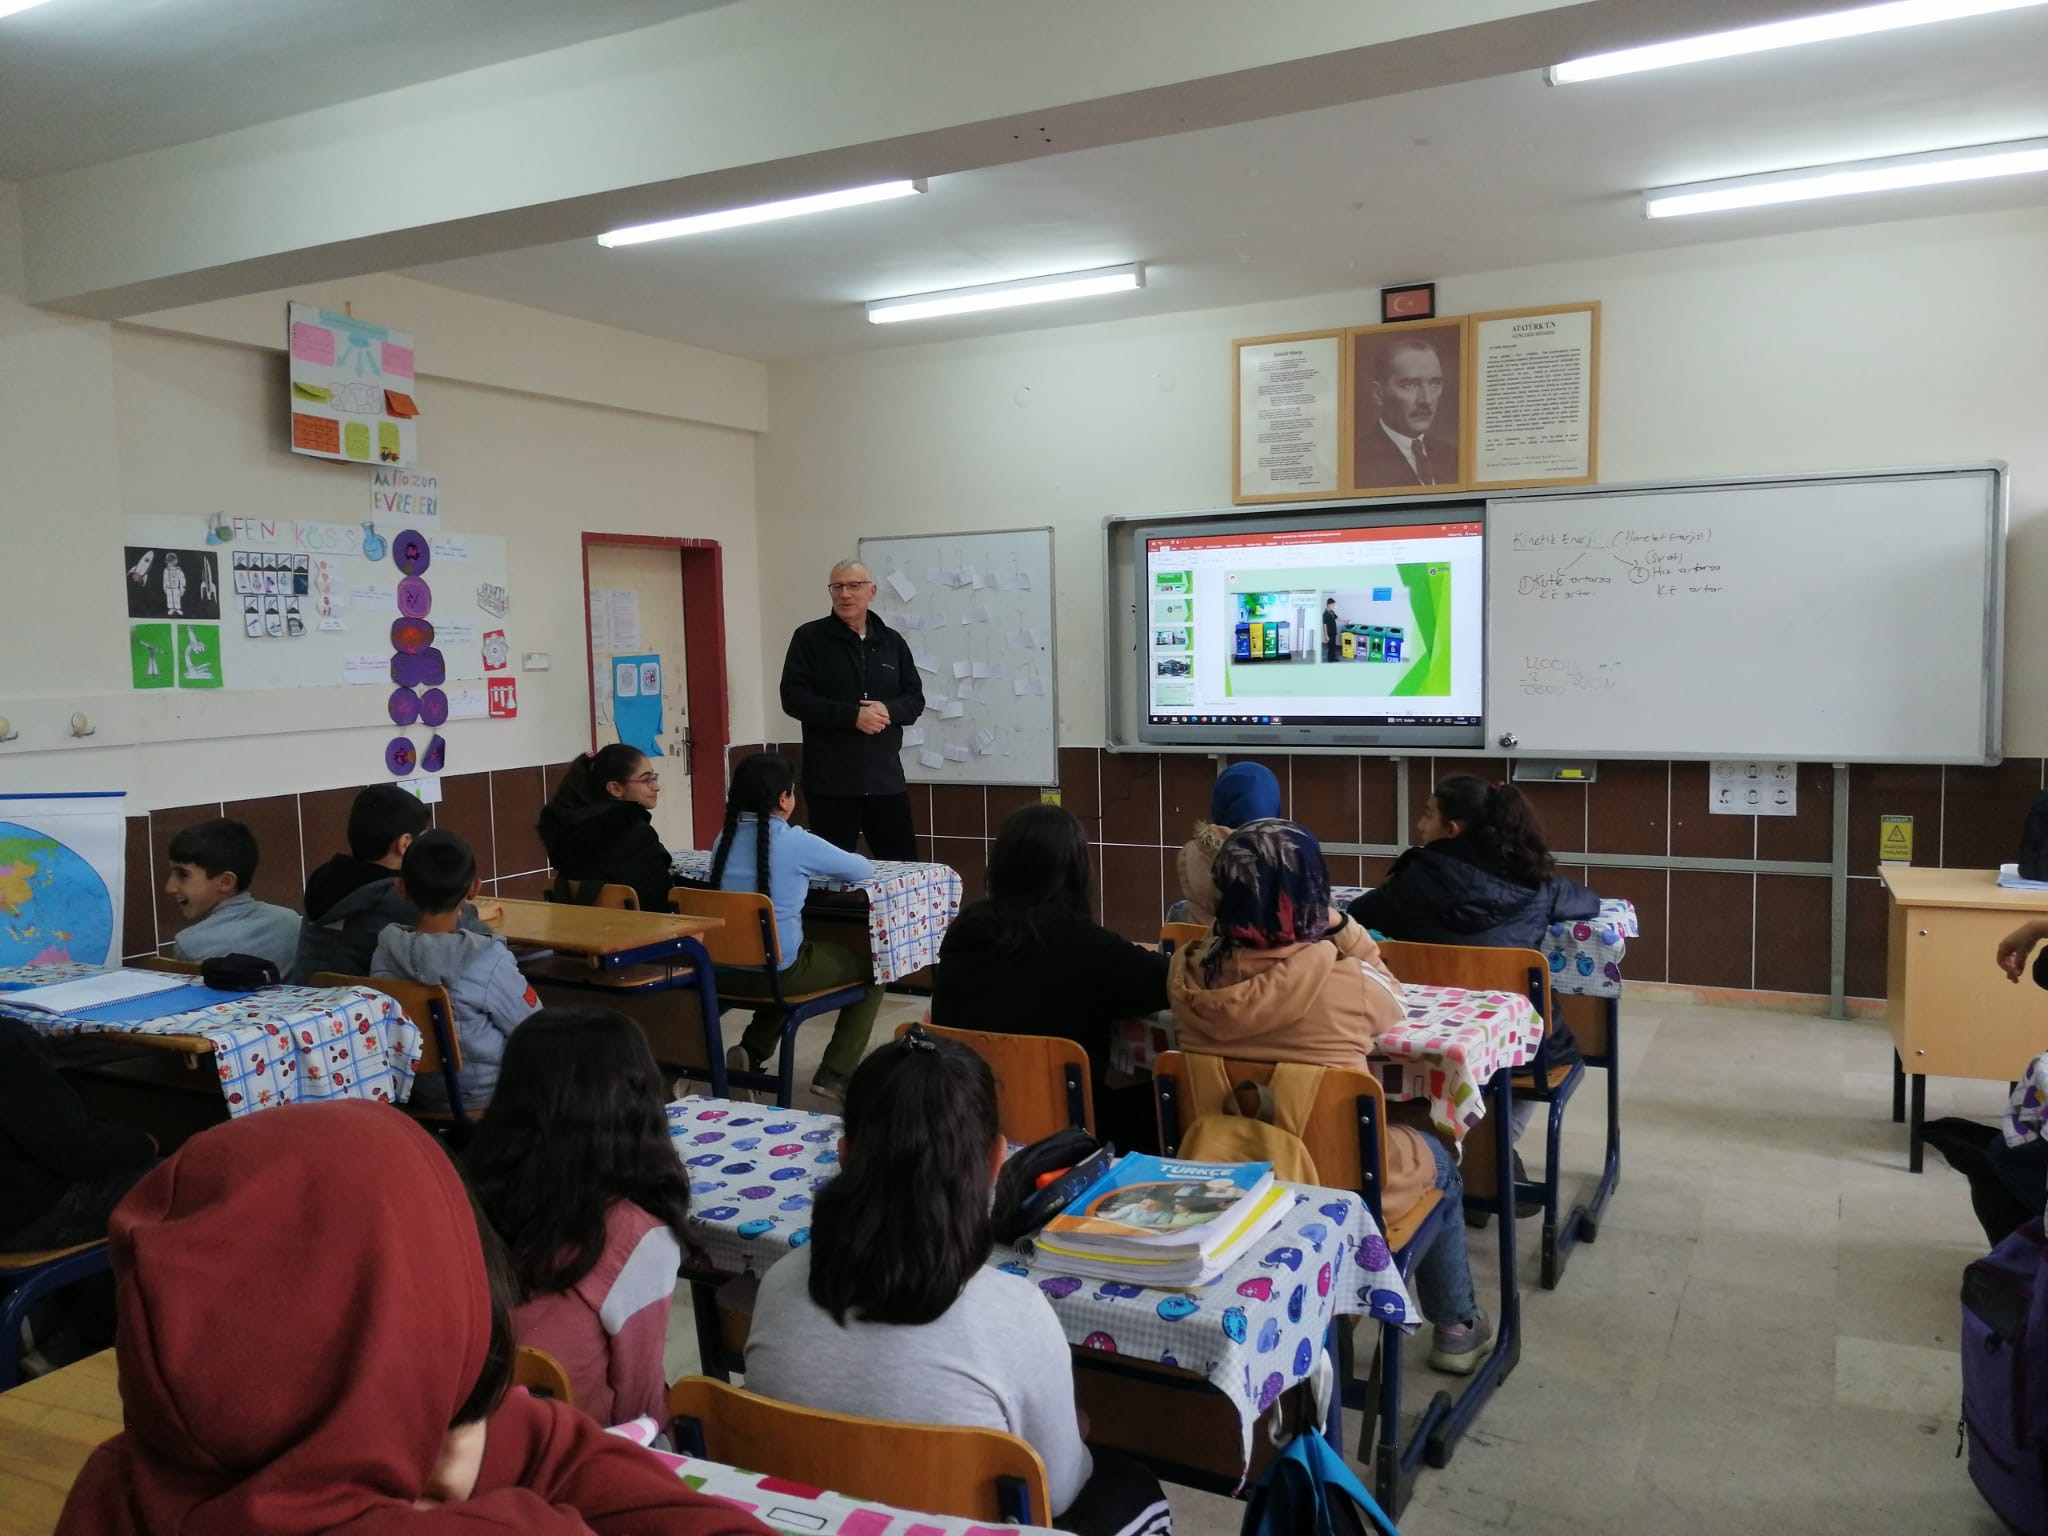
(977,609)
(1845,619)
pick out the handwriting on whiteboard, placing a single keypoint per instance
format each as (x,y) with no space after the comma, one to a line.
(1552,676)
(1662,562)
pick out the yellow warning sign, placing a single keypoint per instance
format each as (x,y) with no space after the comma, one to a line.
(1049,797)
(1895,840)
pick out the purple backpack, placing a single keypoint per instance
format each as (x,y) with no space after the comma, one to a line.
(2005,1377)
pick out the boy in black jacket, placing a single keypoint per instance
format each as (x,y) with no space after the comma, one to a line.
(354,896)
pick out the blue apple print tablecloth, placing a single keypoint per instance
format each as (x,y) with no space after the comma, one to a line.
(1253,1332)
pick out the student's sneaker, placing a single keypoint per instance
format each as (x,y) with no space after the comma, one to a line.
(1459,1349)
(737,1060)
(830,1085)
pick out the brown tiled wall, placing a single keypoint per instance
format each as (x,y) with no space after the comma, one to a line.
(495,811)
(1767,931)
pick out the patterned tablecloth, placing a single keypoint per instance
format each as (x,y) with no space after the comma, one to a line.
(2027,1117)
(1453,1043)
(1585,957)
(910,906)
(1252,1332)
(280,1045)
(801,1510)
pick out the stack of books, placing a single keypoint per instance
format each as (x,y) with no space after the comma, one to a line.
(1157,1221)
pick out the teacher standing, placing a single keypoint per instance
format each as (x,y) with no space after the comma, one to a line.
(852,683)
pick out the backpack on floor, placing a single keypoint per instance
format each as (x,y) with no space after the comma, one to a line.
(2005,1378)
(1251,1122)
(1308,1491)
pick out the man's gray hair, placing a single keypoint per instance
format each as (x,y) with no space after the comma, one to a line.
(850,565)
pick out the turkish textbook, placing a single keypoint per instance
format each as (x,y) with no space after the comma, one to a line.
(1160,1221)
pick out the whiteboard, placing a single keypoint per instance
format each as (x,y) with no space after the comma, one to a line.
(1847,619)
(979,618)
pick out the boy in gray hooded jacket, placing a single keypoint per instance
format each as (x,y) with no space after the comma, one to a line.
(491,998)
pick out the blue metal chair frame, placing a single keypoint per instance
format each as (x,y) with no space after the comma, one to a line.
(783,1078)
(1583,1224)
(1534,1083)
(28,1285)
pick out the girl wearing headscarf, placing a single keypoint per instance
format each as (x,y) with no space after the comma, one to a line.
(311,1341)
(1244,792)
(1284,978)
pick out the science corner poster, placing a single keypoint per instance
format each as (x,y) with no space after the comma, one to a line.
(62,858)
(352,389)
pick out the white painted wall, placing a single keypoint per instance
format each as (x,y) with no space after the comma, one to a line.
(1909,343)
(98,421)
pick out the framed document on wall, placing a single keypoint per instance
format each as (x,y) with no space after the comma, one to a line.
(1535,381)
(1287,441)
(1407,421)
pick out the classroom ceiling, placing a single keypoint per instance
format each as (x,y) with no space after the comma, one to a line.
(83,81)
(1464,178)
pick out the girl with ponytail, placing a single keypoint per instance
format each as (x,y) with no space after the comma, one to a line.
(759,850)
(1481,873)
(599,828)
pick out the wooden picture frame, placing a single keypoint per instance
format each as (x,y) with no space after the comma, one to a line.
(1295,389)
(1376,464)
(1407,301)
(1534,385)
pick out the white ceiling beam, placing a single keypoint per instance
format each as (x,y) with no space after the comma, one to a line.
(758,100)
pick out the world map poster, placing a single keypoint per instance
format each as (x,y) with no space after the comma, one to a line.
(61,866)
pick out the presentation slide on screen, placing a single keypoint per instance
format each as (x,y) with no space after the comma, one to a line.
(1330,626)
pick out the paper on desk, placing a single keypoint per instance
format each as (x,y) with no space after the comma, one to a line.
(89,992)
(2009,877)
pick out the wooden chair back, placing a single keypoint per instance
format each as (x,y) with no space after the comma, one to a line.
(429,1008)
(165,964)
(1174,936)
(541,1374)
(621,898)
(976,1474)
(748,937)
(1523,972)
(1333,1131)
(1042,1081)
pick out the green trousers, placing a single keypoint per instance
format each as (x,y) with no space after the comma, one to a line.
(818,967)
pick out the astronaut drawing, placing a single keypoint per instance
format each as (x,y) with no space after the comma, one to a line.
(174,587)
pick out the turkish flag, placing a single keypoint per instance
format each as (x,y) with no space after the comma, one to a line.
(1409,304)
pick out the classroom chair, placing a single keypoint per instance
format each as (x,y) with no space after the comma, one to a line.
(748,942)
(588,893)
(1174,936)
(1042,1082)
(26,1278)
(429,1008)
(1347,1141)
(165,964)
(1543,1080)
(1596,1024)
(541,1374)
(975,1474)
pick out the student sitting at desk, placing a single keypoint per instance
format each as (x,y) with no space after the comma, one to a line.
(892,1310)
(575,1170)
(1244,792)
(353,897)
(599,828)
(315,1336)
(211,865)
(1032,960)
(1284,978)
(759,850)
(490,997)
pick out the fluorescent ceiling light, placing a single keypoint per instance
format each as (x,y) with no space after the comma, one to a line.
(1025,290)
(1976,162)
(760,213)
(9,7)
(1777,34)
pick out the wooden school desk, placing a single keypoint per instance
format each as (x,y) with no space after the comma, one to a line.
(1952,1012)
(608,937)
(47,1430)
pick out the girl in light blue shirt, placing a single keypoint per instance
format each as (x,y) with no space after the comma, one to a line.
(780,866)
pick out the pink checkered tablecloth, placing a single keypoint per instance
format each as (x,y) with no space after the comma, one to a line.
(1453,1043)
(910,907)
(1585,955)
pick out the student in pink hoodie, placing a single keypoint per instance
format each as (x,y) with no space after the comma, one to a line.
(1284,978)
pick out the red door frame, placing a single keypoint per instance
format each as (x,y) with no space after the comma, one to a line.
(703,568)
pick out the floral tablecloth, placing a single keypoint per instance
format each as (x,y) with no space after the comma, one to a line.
(797,1509)
(280,1045)
(1585,957)
(910,906)
(1453,1043)
(1252,1332)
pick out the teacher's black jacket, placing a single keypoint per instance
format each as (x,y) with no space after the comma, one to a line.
(828,671)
